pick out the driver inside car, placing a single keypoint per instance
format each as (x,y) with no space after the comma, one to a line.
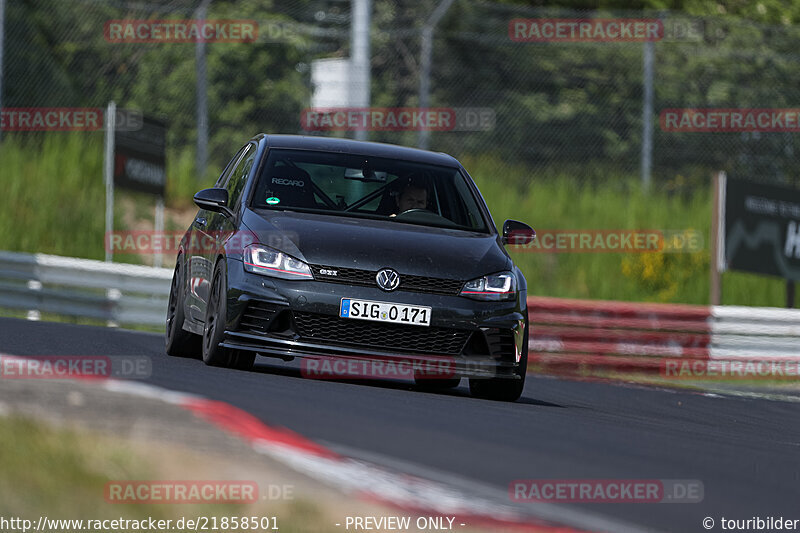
(413,196)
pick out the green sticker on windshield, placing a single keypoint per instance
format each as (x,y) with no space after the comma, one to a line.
(273,200)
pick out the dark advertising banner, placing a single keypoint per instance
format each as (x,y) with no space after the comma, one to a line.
(140,158)
(762,229)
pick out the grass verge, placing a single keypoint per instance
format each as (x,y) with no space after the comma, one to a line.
(61,474)
(54,203)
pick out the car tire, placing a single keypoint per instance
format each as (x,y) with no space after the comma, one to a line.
(214,326)
(179,342)
(499,389)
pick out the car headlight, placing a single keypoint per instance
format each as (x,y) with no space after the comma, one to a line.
(259,259)
(493,288)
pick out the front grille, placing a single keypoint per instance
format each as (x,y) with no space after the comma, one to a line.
(354,276)
(433,285)
(357,276)
(395,337)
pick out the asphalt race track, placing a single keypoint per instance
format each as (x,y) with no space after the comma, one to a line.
(745,451)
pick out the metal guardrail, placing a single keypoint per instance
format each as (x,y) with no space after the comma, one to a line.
(589,334)
(564,332)
(754,333)
(112,292)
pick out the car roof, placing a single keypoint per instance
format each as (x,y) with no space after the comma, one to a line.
(348,146)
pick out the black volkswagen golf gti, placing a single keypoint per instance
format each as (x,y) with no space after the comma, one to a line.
(322,248)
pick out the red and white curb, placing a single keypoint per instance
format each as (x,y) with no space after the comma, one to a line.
(373,482)
(439,494)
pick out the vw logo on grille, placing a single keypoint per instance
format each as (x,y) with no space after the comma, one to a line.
(388,279)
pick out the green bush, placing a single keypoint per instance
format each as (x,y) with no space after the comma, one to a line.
(550,201)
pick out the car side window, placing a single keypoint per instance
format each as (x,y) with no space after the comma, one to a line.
(238,176)
(223,178)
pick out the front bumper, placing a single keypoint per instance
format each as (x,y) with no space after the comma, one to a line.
(288,319)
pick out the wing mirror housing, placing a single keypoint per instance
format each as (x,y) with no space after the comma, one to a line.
(517,233)
(213,199)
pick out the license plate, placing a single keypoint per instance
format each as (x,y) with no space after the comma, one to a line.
(385,312)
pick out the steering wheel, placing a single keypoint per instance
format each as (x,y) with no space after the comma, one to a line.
(425,216)
(415,210)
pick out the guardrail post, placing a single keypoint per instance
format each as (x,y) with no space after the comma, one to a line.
(108,176)
(717,240)
(158,259)
(113,296)
(34,314)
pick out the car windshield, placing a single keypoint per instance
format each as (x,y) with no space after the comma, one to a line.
(361,186)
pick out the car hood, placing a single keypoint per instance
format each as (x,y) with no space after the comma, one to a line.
(348,242)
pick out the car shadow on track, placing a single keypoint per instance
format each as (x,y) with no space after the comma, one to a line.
(462,391)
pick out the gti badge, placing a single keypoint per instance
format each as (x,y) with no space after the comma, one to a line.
(388,279)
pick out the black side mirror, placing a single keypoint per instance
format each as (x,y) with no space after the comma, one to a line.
(213,199)
(517,233)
